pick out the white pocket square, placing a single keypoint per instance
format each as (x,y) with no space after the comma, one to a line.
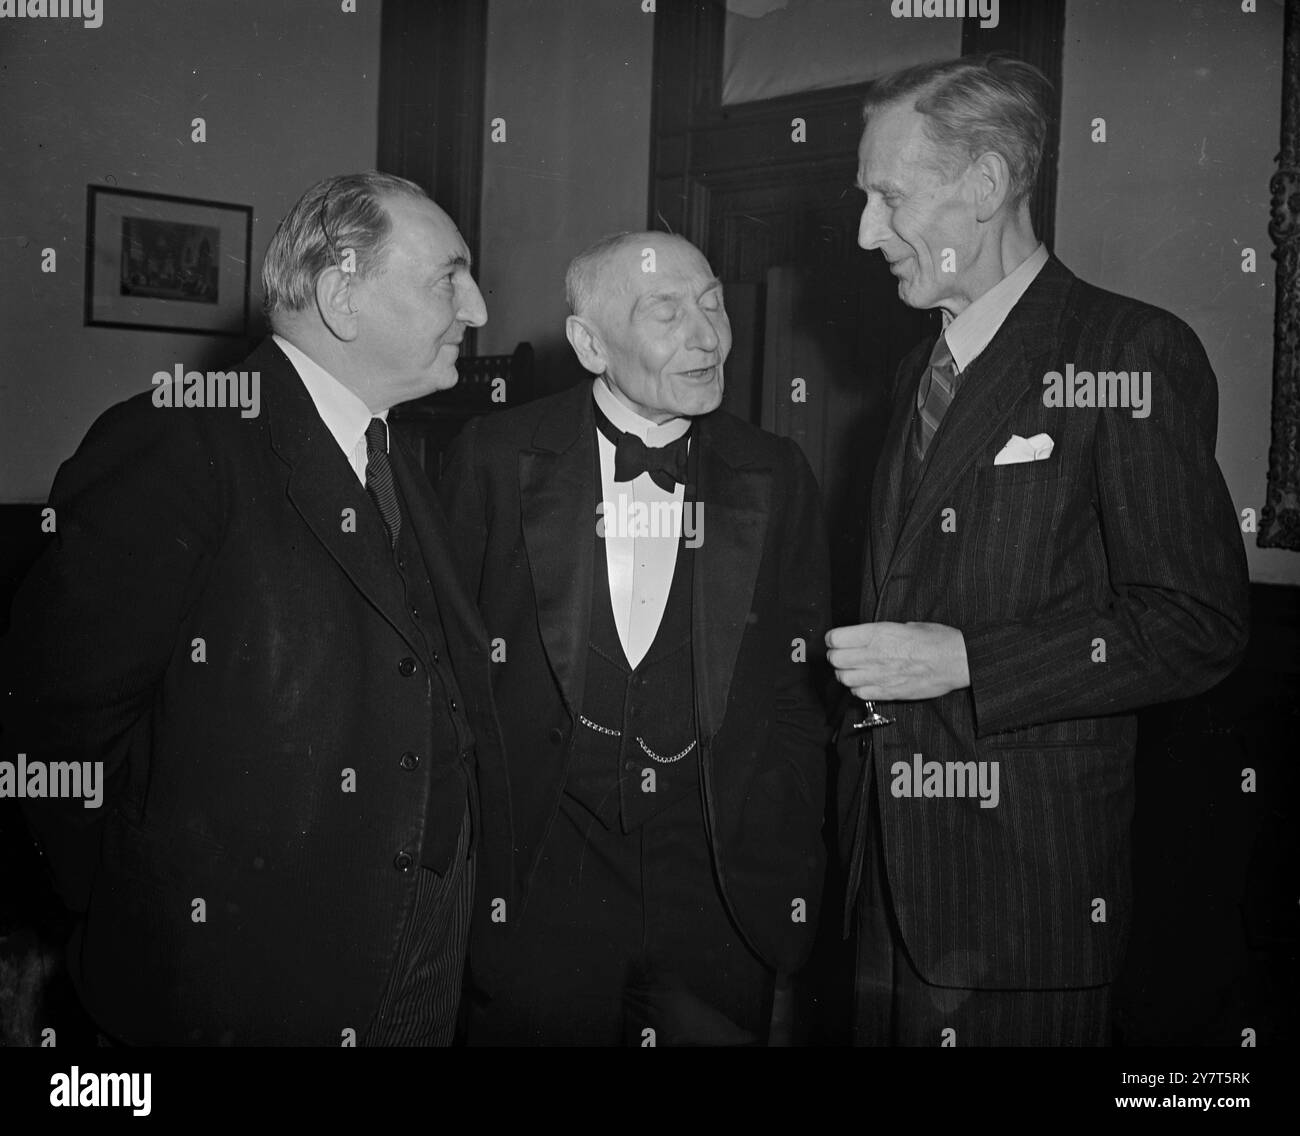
(1020,449)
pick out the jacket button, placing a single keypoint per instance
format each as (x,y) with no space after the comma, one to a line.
(403,861)
(409,760)
(454,705)
(406,667)
(556,735)
(629,765)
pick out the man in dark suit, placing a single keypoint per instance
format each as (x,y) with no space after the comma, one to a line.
(655,854)
(1051,547)
(250,617)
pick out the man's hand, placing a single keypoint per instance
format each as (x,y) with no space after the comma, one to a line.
(898,662)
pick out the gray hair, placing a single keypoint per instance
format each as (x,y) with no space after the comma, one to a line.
(338,213)
(976,105)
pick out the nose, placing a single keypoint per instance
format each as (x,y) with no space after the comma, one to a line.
(703,336)
(472,309)
(872,229)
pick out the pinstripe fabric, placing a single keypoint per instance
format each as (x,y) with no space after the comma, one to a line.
(893,1005)
(419,1007)
(379,477)
(1124,541)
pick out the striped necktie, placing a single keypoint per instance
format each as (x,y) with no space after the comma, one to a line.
(379,477)
(933,397)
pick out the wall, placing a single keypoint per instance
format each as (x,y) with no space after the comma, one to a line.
(572,80)
(780,47)
(1191,95)
(1160,211)
(290,94)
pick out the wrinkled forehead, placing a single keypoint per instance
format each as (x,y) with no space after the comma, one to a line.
(894,138)
(653,265)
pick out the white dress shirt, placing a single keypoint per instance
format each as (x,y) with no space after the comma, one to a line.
(975,327)
(344,414)
(640,567)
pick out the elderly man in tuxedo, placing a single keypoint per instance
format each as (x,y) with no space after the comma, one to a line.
(1051,547)
(653,856)
(253,622)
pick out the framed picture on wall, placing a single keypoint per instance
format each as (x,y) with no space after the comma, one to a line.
(161,263)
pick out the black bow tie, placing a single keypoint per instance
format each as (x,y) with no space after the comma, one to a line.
(666,465)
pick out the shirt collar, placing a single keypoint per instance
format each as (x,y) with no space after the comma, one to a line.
(630,422)
(972,331)
(344,414)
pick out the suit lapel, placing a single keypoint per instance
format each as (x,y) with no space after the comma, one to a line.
(1013,362)
(735,503)
(321,486)
(557,499)
(424,514)
(887,504)
(558,491)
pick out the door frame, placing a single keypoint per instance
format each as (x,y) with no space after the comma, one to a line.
(694,138)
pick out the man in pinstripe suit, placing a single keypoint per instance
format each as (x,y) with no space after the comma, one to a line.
(1051,547)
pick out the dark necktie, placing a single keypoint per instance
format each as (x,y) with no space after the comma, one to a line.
(933,397)
(666,465)
(379,477)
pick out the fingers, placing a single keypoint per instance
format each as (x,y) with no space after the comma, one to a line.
(873,693)
(878,681)
(850,658)
(855,653)
(851,635)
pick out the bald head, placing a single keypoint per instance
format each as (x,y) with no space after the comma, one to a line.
(606,267)
(648,318)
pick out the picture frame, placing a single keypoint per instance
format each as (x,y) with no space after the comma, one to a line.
(156,262)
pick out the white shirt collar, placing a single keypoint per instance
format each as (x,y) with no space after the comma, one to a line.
(630,422)
(344,414)
(975,327)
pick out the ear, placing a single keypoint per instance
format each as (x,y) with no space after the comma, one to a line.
(586,344)
(336,302)
(992,184)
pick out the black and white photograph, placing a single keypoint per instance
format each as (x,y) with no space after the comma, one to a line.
(552,524)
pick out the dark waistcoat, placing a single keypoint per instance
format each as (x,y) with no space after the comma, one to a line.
(635,720)
(451,781)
